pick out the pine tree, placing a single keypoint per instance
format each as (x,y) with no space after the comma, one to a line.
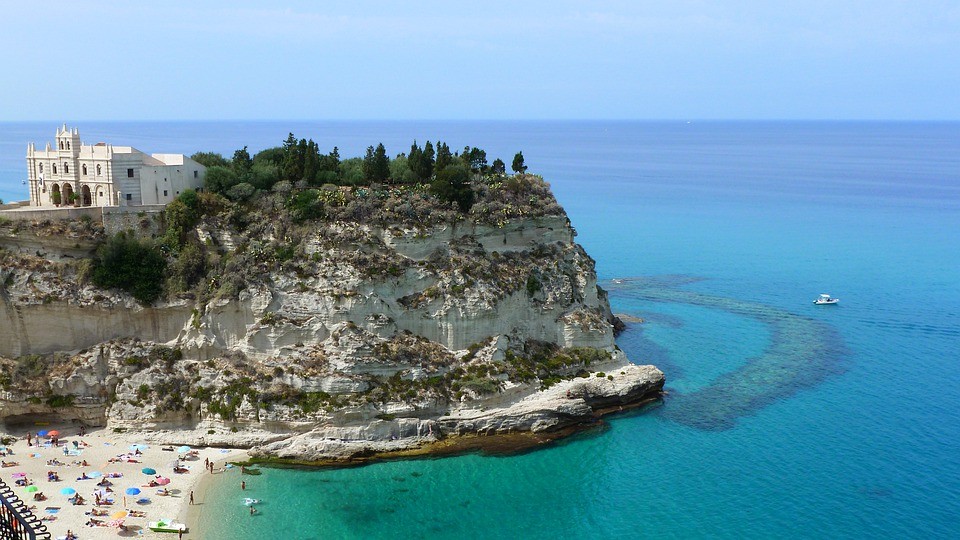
(242,163)
(381,164)
(428,160)
(498,167)
(415,162)
(518,166)
(368,165)
(444,157)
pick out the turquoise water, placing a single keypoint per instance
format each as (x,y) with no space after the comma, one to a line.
(849,427)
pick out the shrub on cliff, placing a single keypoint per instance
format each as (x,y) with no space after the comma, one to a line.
(126,263)
(452,184)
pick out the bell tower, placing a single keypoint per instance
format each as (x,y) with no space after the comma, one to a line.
(68,154)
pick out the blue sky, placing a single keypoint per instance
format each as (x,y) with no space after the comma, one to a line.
(480,60)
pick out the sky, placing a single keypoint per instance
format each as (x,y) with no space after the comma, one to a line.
(489,60)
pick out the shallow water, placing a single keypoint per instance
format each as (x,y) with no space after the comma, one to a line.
(783,419)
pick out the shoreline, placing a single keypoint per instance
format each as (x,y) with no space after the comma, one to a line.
(99,448)
(501,444)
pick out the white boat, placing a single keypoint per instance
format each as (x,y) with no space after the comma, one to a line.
(166,525)
(249,502)
(826,299)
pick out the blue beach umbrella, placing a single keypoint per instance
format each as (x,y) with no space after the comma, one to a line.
(42,433)
(132,491)
(184,449)
(148,470)
(68,491)
(94,474)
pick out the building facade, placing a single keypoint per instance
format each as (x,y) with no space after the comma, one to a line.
(70,173)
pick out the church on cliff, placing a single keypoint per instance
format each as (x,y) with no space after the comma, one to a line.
(72,174)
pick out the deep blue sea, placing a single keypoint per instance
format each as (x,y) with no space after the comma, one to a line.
(783,419)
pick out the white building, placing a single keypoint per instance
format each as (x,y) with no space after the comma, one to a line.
(74,174)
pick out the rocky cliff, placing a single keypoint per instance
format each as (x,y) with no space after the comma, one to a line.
(375,328)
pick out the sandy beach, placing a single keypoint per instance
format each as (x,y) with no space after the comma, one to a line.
(118,458)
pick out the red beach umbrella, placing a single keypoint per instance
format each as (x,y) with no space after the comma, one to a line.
(163,480)
(53,433)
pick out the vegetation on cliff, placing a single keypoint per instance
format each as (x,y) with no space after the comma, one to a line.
(271,204)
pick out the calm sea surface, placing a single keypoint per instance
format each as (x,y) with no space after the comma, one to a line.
(784,419)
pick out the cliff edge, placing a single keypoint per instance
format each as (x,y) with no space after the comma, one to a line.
(319,324)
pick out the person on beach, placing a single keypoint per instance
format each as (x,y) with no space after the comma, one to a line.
(191,497)
(252,510)
(29,442)
(243,485)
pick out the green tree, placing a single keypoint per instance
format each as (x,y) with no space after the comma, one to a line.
(376,165)
(351,171)
(188,269)
(400,171)
(498,167)
(126,263)
(475,158)
(381,164)
(180,217)
(269,155)
(264,174)
(210,159)
(311,161)
(241,162)
(219,179)
(518,166)
(293,154)
(452,184)
(415,162)
(329,172)
(428,161)
(444,157)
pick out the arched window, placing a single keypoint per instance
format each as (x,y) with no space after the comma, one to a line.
(84,169)
(68,145)
(98,169)
(66,169)
(41,167)
(61,145)
(54,168)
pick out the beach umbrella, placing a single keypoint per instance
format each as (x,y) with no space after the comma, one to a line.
(163,481)
(102,493)
(148,470)
(135,447)
(94,474)
(19,475)
(42,433)
(68,491)
(132,491)
(184,449)
(32,489)
(53,433)
(119,515)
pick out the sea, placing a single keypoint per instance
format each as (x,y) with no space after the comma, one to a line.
(782,419)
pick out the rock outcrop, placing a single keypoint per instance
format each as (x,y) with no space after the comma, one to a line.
(327,340)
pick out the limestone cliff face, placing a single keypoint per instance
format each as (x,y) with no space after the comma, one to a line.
(371,338)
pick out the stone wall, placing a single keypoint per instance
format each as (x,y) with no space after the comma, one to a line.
(52,214)
(145,221)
